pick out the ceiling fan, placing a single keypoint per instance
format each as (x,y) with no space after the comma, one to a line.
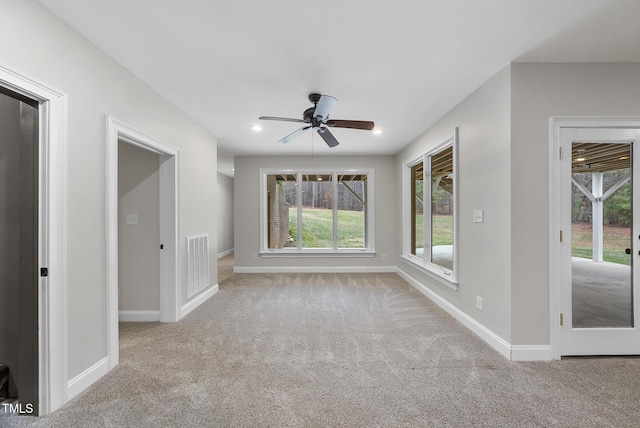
(317,118)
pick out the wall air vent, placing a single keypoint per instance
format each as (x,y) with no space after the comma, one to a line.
(197,264)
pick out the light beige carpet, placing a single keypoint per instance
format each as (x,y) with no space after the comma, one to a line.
(356,350)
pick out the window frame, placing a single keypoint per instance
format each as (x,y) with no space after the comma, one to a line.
(299,251)
(424,264)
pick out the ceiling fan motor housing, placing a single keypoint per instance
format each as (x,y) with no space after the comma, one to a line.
(314,98)
(308,114)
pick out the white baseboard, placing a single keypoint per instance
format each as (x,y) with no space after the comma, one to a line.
(225,253)
(531,353)
(138,316)
(198,300)
(315,269)
(499,344)
(85,379)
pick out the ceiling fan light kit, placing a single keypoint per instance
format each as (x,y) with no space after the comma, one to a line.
(317,118)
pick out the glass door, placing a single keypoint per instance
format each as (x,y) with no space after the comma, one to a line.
(599,253)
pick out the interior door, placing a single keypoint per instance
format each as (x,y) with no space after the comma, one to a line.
(599,241)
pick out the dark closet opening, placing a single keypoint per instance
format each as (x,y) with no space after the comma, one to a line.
(19,181)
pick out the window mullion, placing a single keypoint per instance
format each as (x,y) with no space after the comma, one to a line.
(365,208)
(426,209)
(334,207)
(299,208)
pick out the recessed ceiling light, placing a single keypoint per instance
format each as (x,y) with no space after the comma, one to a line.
(624,158)
(256,128)
(580,159)
(377,131)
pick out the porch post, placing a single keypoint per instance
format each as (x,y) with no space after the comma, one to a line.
(597,217)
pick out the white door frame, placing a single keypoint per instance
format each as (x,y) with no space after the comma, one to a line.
(555,218)
(52,235)
(170,285)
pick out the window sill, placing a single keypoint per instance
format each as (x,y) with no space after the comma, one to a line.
(436,272)
(317,253)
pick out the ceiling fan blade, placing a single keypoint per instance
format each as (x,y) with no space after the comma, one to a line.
(324,106)
(294,134)
(283,119)
(353,124)
(327,137)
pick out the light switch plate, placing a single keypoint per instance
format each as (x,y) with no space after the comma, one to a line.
(478,216)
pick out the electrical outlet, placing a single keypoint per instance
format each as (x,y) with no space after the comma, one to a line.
(478,216)
(479,303)
(255,256)
(384,257)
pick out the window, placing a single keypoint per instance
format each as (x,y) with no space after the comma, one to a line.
(430,228)
(317,212)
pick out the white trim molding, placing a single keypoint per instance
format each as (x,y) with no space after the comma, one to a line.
(52,235)
(199,299)
(511,352)
(499,344)
(433,271)
(88,377)
(317,253)
(315,269)
(531,353)
(138,316)
(225,253)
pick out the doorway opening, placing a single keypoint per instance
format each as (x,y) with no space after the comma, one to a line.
(19,242)
(139,244)
(168,221)
(225,267)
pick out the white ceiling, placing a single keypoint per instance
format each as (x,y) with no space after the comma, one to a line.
(402,63)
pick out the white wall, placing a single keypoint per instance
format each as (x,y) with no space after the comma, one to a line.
(484,183)
(247,209)
(503,154)
(538,92)
(225,214)
(36,43)
(139,243)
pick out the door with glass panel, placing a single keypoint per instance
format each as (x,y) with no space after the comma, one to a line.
(600,242)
